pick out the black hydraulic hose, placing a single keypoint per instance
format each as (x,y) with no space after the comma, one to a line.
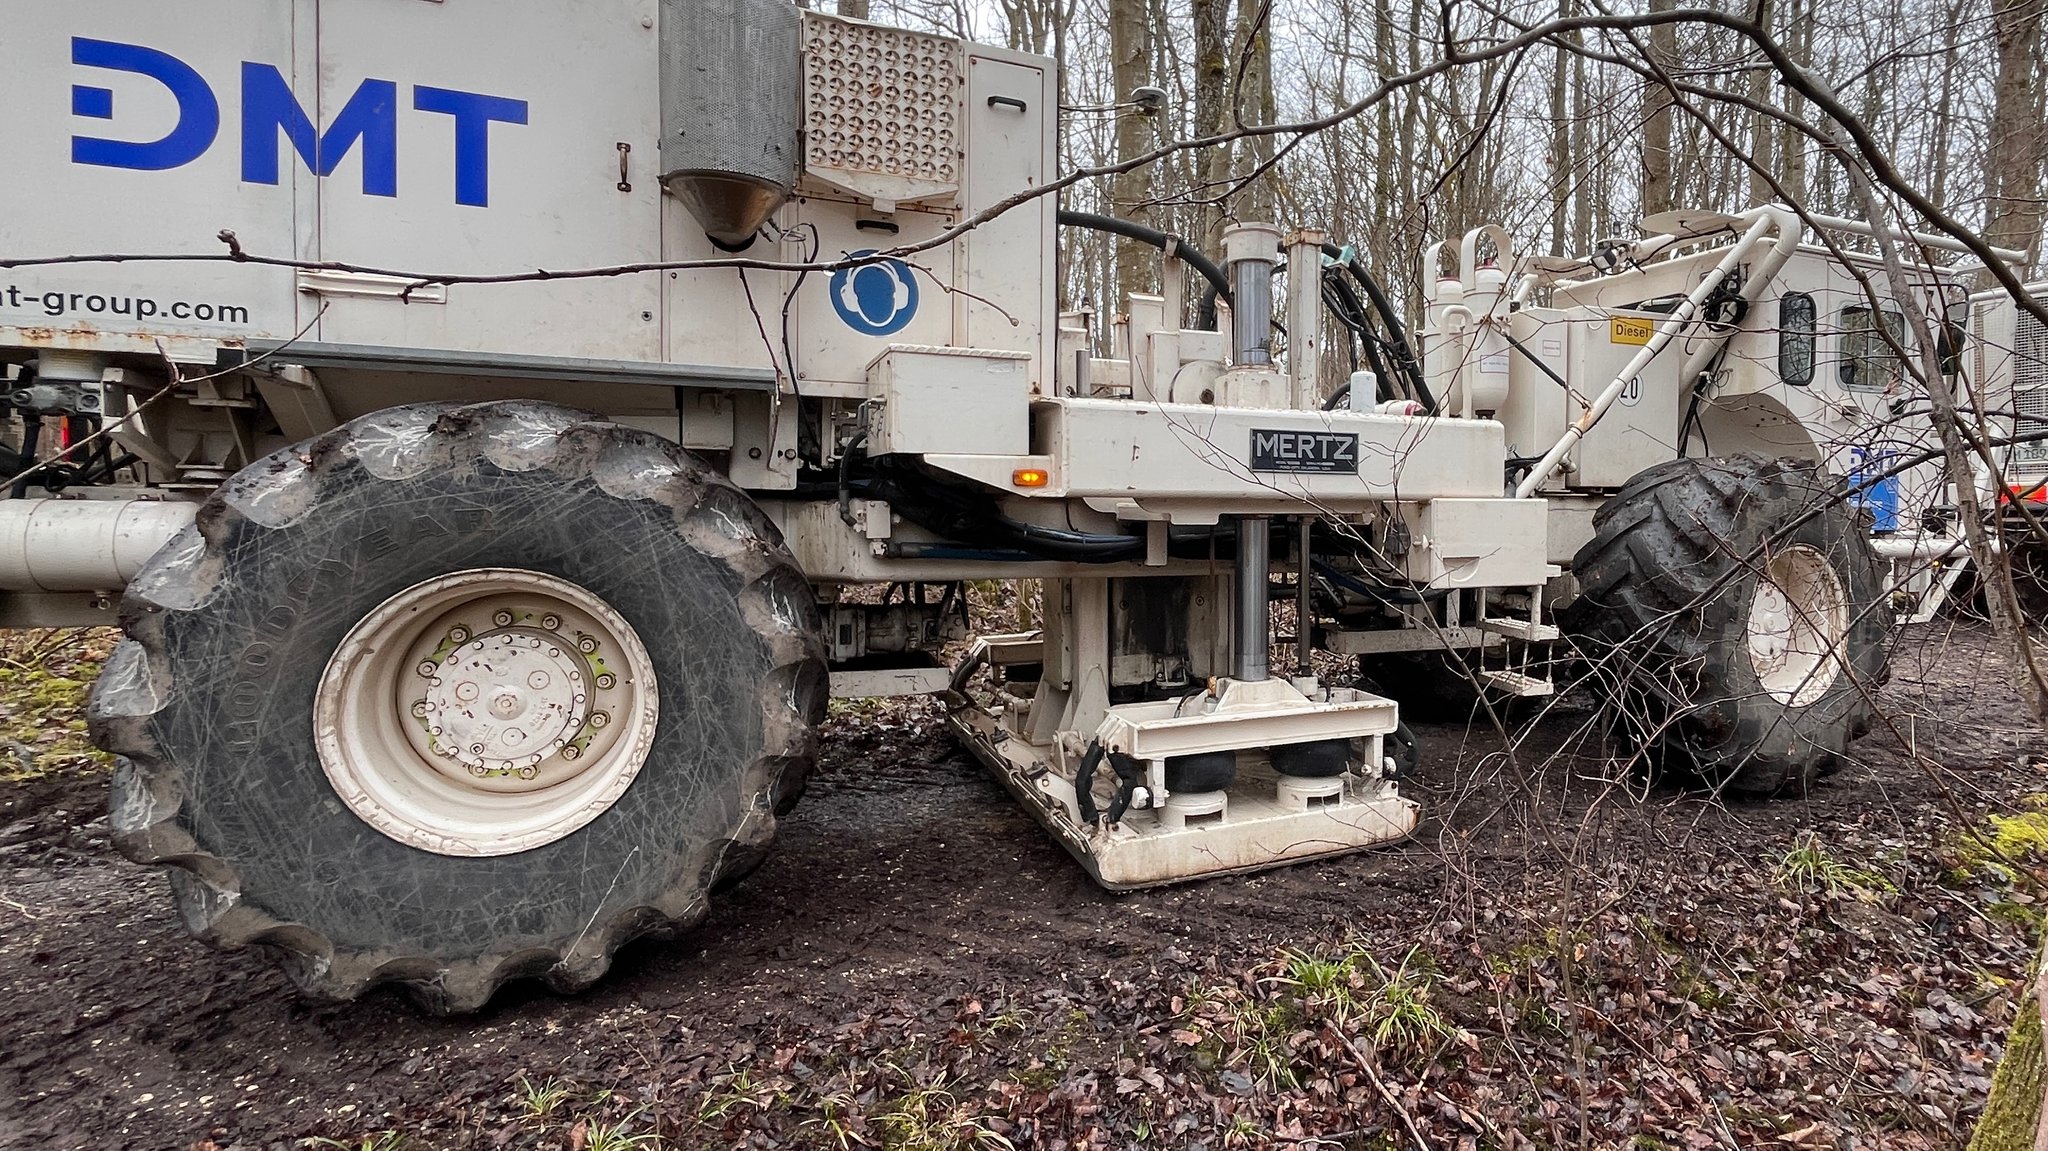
(1397,336)
(1059,543)
(845,486)
(1128,776)
(1339,298)
(1186,252)
(1084,784)
(1383,594)
(1384,381)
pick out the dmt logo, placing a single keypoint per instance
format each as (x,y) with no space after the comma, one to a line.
(877,299)
(269,110)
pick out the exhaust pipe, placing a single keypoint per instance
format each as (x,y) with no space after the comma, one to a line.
(52,545)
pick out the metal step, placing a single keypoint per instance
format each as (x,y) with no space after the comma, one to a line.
(1521,629)
(1516,684)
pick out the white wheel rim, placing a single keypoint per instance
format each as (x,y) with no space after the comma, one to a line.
(1798,620)
(486,712)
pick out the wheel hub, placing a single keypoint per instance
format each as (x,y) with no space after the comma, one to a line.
(504,702)
(473,714)
(1798,622)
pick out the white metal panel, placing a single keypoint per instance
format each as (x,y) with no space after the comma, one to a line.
(1535,412)
(1007,264)
(1480,543)
(950,400)
(1165,451)
(169,181)
(479,192)
(844,319)
(707,317)
(1641,429)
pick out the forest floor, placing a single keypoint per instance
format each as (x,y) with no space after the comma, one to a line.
(1553,959)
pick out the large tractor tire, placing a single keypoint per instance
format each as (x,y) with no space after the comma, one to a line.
(455,695)
(1735,615)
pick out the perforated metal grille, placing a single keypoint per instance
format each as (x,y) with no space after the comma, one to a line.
(726,76)
(2030,392)
(881,109)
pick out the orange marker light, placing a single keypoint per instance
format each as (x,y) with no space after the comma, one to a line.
(1030,478)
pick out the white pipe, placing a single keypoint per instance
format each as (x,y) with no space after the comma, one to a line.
(1921,547)
(1681,317)
(52,545)
(1939,243)
(1759,279)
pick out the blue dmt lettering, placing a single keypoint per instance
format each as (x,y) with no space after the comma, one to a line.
(371,115)
(271,109)
(474,114)
(198,111)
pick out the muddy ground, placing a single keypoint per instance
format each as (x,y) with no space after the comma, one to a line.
(1553,960)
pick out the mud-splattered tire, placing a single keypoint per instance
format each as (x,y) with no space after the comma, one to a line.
(211,702)
(1735,618)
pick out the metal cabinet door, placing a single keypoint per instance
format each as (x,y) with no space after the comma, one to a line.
(508,117)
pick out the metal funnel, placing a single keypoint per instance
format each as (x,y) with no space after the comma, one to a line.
(730,92)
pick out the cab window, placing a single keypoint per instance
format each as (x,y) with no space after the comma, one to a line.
(1868,362)
(1797,324)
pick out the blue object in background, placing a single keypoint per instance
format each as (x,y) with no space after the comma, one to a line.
(1878,495)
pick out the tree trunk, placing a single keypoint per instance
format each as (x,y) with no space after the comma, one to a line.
(854,9)
(1254,103)
(1798,36)
(1762,164)
(1212,84)
(2013,211)
(1130,59)
(1657,116)
(1561,176)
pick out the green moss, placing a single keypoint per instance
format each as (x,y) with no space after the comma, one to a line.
(2007,841)
(2014,1108)
(45,677)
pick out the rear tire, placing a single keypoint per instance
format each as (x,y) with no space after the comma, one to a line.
(369,849)
(1737,619)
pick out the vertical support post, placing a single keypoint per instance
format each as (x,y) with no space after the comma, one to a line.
(1305,318)
(1304,614)
(1250,625)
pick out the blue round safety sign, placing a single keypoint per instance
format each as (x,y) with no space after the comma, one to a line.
(877,299)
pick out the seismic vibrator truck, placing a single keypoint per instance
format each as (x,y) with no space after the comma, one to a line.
(490,422)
